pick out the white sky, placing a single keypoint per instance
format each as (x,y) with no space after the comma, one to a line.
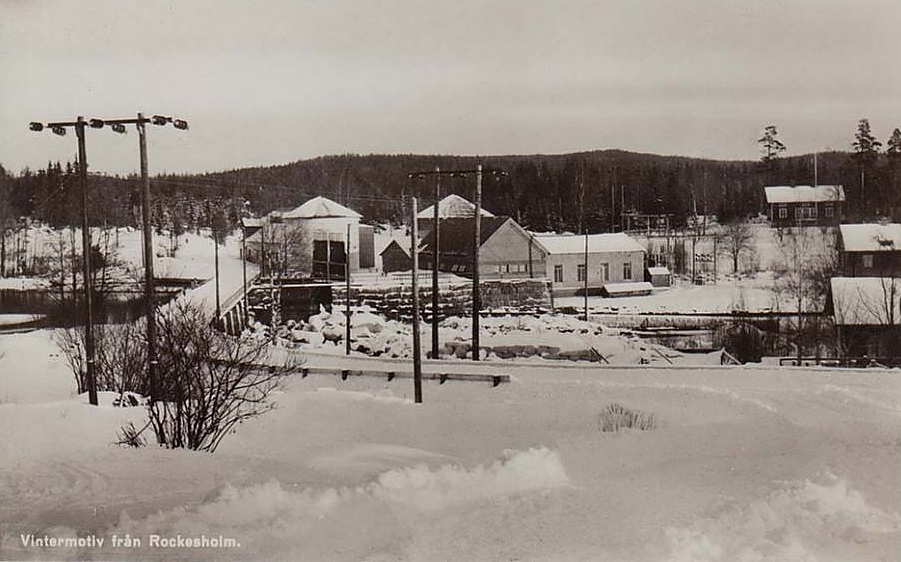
(266,82)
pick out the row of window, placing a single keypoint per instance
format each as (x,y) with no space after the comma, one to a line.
(809,212)
(604,272)
(511,268)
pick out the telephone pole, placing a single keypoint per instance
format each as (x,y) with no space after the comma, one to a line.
(479,172)
(477,241)
(417,359)
(86,263)
(435,264)
(347,294)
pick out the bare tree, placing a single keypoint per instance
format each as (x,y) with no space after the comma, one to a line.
(809,260)
(738,240)
(873,306)
(209,381)
(281,248)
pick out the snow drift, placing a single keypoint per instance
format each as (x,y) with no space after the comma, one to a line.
(796,522)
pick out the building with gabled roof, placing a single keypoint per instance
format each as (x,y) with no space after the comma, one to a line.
(452,207)
(320,207)
(612,259)
(871,249)
(507,251)
(804,205)
(396,257)
(321,226)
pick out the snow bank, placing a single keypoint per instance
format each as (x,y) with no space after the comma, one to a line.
(799,521)
(272,521)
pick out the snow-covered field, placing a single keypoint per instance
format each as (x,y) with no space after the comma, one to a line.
(744,464)
(754,293)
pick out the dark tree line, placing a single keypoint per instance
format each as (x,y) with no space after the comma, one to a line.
(542,192)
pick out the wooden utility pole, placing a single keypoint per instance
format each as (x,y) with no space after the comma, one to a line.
(216,264)
(149,289)
(347,295)
(435,263)
(244,267)
(586,275)
(86,263)
(477,241)
(417,359)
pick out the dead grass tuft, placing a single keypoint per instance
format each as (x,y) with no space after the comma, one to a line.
(616,417)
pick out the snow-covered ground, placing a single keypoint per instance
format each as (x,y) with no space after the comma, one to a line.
(522,338)
(754,293)
(744,464)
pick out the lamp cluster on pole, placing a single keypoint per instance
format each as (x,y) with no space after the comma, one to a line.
(476,301)
(118,126)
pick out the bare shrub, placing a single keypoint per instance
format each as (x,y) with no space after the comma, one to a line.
(120,356)
(209,382)
(130,436)
(616,417)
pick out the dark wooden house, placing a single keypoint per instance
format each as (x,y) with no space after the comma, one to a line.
(867,315)
(870,250)
(506,250)
(804,205)
(396,258)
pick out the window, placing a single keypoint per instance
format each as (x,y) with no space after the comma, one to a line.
(627,270)
(829,211)
(580,272)
(799,212)
(783,213)
(558,274)
(605,272)
(868,260)
(498,269)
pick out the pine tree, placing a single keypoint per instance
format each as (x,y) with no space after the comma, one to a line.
(770,146)
(866,151)
(893,151)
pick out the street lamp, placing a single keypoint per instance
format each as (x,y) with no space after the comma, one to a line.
(118,126)
(59,128)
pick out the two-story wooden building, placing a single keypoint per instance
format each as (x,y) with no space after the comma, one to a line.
(506,251)
(804,205)
(870,250)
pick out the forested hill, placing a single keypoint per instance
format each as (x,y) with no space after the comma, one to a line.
(541,191)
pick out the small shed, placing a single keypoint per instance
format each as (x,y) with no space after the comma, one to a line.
(640,289)
(658,276)
(396,258)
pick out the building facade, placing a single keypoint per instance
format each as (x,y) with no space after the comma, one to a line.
(804,205)
(506,251)
(870,250)
(611,259)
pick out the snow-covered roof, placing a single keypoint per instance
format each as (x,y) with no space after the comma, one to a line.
(597,243)
(320,207)
(252,222)
(866,301)
(399,246)
(452,206)
(658,270)
(871,237)
(804,193)
(615,289)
